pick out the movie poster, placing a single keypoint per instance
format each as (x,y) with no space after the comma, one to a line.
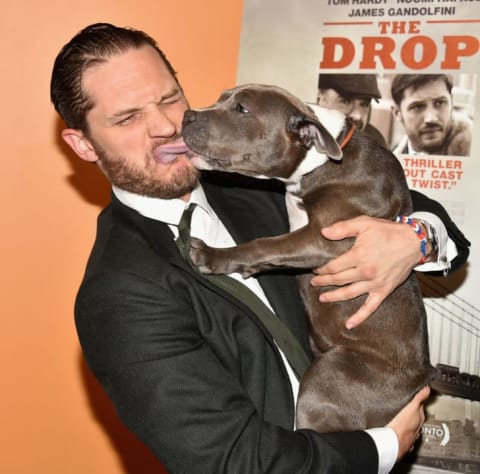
(288,44)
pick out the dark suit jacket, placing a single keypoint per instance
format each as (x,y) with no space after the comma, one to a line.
(190,370)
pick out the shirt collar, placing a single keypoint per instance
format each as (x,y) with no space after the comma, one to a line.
(168,211)
(413,152)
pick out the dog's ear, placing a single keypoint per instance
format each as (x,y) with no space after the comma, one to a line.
(311,132)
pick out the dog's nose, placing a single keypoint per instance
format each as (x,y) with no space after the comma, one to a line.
(189,116)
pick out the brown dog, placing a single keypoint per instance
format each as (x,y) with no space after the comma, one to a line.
(360,378)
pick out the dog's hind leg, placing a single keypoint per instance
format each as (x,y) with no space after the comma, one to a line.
(338,393)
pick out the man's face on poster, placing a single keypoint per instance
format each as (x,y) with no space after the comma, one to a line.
(426,114)
(356,108)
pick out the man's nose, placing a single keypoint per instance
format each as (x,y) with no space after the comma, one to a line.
(430,114)
(355,114)
(357,118)
(160,123)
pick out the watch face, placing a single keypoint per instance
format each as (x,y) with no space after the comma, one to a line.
(431,235)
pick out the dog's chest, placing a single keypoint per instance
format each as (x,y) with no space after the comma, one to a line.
(297,216)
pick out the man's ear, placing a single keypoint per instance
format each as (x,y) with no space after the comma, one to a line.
(79,144)
(396,112)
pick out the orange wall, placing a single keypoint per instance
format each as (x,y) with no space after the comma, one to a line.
(54,419)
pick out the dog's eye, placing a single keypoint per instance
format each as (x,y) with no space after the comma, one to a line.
(240,108)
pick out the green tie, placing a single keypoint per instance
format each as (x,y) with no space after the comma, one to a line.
(286,341)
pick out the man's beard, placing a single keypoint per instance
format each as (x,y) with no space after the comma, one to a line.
(137,180)
(430,146)
(359,124)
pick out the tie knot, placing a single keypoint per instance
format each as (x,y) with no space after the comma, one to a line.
(186,219)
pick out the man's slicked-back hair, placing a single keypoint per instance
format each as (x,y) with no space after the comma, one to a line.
(402,82)
(93,45)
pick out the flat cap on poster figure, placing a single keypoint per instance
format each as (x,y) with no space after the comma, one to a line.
(351,85)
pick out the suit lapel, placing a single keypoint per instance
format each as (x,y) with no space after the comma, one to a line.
(236,206)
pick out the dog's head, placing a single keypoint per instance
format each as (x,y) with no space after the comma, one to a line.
(260,131)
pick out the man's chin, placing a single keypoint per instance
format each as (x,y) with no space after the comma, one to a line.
(359,125)
(431,146)
(182,183)
(179,183)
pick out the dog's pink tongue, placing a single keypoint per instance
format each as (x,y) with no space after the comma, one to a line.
(165,154)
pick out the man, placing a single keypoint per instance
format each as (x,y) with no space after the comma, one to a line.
(423,104)
(190,369)
(352,95)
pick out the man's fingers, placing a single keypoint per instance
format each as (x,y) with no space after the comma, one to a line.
(423,394)
(353,290)
(337,265)
(365,311)
(344,293)
(336,279)
(407,424)
(343,229)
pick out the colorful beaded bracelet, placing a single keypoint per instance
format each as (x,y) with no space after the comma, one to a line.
(417,228)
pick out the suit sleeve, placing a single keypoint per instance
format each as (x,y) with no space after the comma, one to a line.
(172,390)
(423,203)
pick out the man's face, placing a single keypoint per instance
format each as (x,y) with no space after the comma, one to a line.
(138,106)
(358,109)
(426,114)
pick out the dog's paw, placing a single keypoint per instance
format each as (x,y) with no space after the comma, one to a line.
(202,256)
(199,255)
(246,272)
(212,260)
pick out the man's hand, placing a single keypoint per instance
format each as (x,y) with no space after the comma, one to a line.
(408,423)
(382,257)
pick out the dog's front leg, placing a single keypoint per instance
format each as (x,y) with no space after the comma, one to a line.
(303,248)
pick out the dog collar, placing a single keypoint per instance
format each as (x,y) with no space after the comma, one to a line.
(347,137)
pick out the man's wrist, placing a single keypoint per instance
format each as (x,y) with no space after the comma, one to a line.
(387,444)
(426,246)
(432,241)
(446,250)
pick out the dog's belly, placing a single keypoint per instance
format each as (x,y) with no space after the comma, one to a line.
(383,362)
